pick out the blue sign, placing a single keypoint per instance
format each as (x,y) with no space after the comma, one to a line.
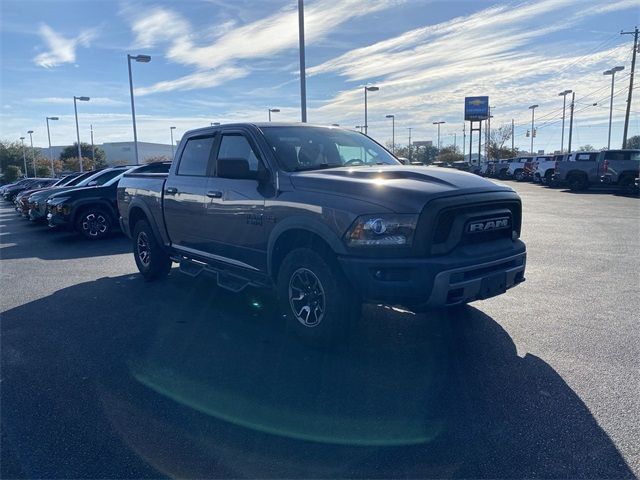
(476,108)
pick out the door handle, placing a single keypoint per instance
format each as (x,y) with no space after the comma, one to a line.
(214,194)
(171,191)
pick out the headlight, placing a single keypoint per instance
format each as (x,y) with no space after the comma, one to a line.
(388,230)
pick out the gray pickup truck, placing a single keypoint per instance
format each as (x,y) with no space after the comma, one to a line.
(327,217)
(584,169)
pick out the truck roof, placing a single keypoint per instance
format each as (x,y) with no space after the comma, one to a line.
(263,124)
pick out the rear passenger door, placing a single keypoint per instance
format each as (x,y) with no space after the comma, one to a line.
(185,194)
(235,206)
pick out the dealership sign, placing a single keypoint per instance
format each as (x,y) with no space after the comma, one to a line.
(476,108)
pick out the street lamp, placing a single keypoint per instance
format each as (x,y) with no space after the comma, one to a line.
(24,157)
(75,108)
(564,104)
(393,132)
(33,153)
(438,124)
(53,173)
(140,59)
(273,110)
(409,128)
(533,113)
(611,72)
(173,152)
(366,123)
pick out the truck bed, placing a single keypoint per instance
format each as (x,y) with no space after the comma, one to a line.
(143,191)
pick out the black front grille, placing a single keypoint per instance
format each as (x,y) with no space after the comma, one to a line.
(451,225)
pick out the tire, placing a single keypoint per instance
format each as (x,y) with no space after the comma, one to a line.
(315,297)
(151,259)
(94,223)
(548,177)
(578,182)
(518,175)
(503,174)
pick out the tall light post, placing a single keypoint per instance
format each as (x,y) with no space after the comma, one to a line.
(366,123)
(409,128)
(33,153)
(53,172)
(564,105)
(393,133)
(438,124)
(93,148)
(173,152)
(273,110)
(303,75)
(75,109)
(139,59)
(611,72)
(533,114)
(24,158)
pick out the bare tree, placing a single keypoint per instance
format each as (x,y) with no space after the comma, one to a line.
(497,139)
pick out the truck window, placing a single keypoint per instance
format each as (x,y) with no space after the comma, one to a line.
(237,146)
(195,157)
(585,157)
(622,155)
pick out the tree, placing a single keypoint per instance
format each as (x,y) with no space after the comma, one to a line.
(72,152)
(73,164)
(497,138)
(11,154)
(157,159)
(43,167)
(587,148)
(633,142)
(449,154)
(12,173)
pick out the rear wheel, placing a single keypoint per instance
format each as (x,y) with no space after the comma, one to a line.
(548,177)
(151,259)
(519,175)
(94,223)
(578,182)
(317,300)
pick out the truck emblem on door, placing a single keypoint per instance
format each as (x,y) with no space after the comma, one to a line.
(489,224)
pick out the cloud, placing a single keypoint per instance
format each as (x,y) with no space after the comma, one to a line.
(256,40)
(60,49)
(101,101)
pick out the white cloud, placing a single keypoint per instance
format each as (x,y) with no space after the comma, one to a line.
(60,49)
(259,39)
(101,101)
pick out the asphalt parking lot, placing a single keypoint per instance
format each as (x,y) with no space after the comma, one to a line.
(104,375)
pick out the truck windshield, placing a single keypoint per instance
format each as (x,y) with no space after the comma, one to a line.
(313,148)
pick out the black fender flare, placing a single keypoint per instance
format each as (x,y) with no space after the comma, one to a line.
(303,223)
(137,203)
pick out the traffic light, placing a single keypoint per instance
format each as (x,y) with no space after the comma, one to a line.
(528,134)
(535,131)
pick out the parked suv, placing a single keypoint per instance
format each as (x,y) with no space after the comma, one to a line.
(325,216)
(620,167)
(577,171)
(92,210)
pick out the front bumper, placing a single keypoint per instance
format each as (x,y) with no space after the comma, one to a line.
(440,281)
(55,220)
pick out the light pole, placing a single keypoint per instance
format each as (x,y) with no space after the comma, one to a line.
(303,75)
(33,153)
(393,133)
(93,149)
(273,110)
(24,158)
(564,105)
(75,108)
(409,128)
(367,89)
(611,72)
(140,59)
(173,152)
(438,124)
(533,114)
(53,172)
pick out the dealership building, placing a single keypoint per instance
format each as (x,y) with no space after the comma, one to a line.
(121,153)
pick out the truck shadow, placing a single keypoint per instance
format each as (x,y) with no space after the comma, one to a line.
(123,378)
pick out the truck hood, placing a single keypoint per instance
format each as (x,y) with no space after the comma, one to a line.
(44,194)
(403,189)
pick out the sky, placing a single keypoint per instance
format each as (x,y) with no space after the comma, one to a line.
(232,60)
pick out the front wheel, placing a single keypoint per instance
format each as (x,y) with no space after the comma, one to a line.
(317,300)
(518,175)
(94,224)
(151,259)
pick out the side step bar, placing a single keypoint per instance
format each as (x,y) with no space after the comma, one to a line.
(224,279)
